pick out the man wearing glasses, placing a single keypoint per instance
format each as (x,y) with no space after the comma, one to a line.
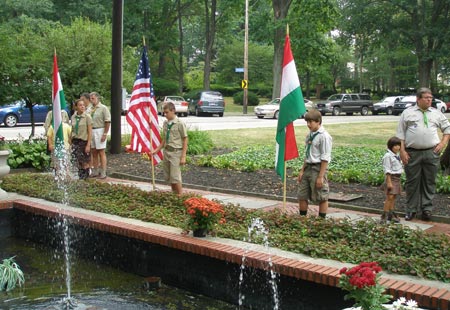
(420,149)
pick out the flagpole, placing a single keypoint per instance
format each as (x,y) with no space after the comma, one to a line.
(284,188)
(152,160)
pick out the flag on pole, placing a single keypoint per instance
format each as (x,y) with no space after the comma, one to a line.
(142,114)
(292,107)
(59,104)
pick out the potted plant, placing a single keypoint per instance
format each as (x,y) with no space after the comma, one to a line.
(204,214)
(4,154)
(10,275)
(362,285)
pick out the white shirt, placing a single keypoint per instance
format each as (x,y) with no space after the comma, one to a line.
(392,163)
(321,145)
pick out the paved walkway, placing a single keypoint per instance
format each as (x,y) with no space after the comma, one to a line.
(267,204)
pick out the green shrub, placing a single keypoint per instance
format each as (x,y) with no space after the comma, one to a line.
(29,154)
(199,142)
(397,248)
(253,99)
(165,87)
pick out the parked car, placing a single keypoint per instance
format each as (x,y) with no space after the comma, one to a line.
(17,113)
(181,105)
(207,102)
(440,105)
(409,101)
(348,103)
(403,104)
(272,108)
(386,105)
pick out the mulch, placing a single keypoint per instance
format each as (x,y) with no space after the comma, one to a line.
(265,182)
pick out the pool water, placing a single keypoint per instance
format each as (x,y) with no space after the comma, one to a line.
(94,286)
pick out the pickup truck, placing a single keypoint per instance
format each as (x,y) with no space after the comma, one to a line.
(347,103)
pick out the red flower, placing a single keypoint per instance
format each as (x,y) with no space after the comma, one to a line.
(204,213)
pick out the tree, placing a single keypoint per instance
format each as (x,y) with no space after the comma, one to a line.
(27,77)
(280,12)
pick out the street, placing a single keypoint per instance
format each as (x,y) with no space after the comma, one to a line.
(215,123)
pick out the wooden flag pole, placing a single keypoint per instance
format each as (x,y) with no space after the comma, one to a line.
(284,188)
(152,160)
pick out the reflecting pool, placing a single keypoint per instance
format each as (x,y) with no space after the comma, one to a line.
(94,286)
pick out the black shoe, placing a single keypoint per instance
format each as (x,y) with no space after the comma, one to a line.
(410,215)
(426,215)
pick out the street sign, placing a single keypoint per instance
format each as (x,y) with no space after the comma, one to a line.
(244,84)
(239,70)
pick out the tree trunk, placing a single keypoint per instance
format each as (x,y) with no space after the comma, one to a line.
(210,32)
(280,11)
(425,66)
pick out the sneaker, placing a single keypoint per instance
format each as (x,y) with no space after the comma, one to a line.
(393,217)
(384,218)
(426,215)
(410,216)
(102,176)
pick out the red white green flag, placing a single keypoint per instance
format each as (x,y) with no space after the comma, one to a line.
(292,107)
(59,104)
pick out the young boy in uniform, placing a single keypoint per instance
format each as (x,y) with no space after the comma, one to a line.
(56,162)
(174,143)
(312,178)
(81,139)
(393,169)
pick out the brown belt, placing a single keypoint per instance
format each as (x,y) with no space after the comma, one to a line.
(171,149)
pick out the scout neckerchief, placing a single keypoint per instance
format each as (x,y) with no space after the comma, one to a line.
(93,110)
(310,139)
(169,126)
(77,122)
(425,118)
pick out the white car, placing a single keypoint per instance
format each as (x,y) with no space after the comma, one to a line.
(386,105)
(440,105)
(272,108)
(181,105)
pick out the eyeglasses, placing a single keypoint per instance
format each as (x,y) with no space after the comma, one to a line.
(428,97)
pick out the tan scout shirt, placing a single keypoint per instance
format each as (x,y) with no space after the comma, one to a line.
(100,115)
(176,134)
(84,121)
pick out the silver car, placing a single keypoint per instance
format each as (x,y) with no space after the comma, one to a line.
(272,109)
(386,105)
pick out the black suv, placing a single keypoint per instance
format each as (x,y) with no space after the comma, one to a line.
(348,103)
(207,102)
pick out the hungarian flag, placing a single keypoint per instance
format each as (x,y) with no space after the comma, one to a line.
(292,107)
(59,104)
(142,114)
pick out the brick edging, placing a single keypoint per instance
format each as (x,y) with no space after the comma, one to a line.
(426,296)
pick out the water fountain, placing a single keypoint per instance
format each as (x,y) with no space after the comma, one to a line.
(62,173)
(258,233)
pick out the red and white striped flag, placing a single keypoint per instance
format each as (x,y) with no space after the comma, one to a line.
(142,114)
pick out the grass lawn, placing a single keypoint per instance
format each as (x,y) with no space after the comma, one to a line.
(355,135)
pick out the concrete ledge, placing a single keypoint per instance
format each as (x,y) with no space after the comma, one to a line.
(429,294)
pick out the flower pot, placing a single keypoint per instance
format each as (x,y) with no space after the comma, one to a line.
(201,232)
(4,168)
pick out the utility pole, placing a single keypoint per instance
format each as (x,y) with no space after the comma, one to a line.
(245,103)
(116,76)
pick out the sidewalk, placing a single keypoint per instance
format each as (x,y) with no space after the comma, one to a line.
(290,207)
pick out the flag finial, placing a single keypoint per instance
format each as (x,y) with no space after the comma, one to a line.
(55,50)
(287,29)
(143,40)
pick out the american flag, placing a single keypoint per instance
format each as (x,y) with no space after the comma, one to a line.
(142,114)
